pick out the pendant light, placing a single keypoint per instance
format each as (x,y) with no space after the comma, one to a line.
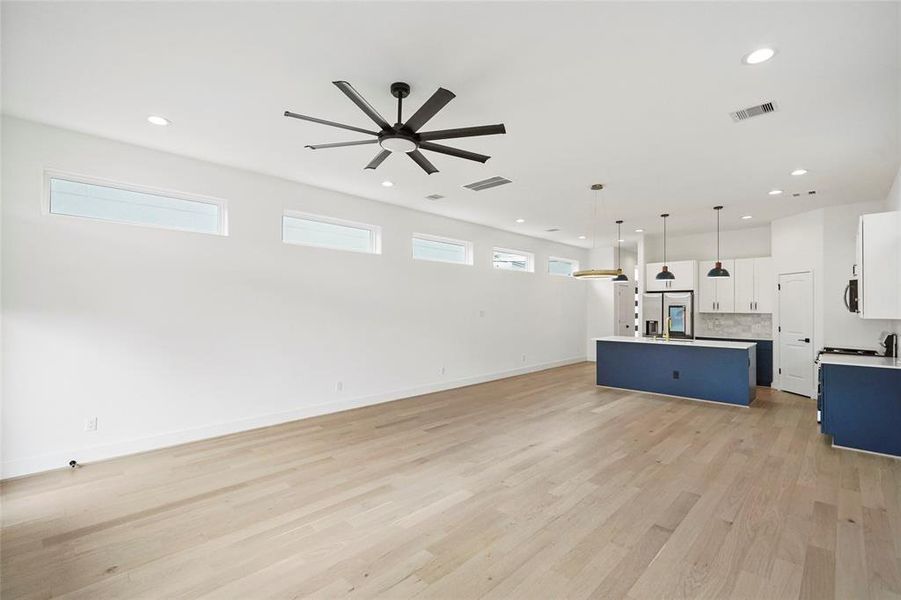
(596,273)
(619,252)
(718,270)
(664,272)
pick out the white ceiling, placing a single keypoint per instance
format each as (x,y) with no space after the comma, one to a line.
(634,95)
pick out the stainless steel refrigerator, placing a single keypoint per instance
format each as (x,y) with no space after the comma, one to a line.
(678,306)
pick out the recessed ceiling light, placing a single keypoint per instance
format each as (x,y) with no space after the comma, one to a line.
(158,120)
(639,231)
(797,172)
(520,220)
(759,56)
(581,237)
(387,183)
(775,192)
(746,217)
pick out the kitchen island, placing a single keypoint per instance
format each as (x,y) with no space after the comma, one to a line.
(712,370)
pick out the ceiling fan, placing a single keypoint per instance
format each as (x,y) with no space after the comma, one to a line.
(405,137)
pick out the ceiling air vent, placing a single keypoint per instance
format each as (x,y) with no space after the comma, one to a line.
(491,182)
(434,197)
(753,111)
(552,229)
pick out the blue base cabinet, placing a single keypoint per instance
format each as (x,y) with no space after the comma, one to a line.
(764,358)
(861,407)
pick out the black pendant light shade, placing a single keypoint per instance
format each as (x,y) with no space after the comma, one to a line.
(664,272)
(619,253)
(718,271)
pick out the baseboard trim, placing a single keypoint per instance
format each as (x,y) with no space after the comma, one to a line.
(870,452)
(716,402)
(60,459)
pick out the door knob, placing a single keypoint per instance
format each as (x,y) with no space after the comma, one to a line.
(805,340)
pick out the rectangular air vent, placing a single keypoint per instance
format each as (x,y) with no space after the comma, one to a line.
(753,111)
(434,197)
(552,229)
(491,182)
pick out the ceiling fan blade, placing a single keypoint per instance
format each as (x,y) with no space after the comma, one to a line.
(446,134)
(288,113)
(422,161)
(360,101)
(428,110)
(340,144)
(379,159)
(453,152)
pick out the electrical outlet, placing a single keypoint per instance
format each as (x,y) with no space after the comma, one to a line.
(442,370)
(339,387)
(675,374)
(523,358)
(481,313)
(90,424)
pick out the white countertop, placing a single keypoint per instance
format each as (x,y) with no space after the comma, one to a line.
(678,342)
(860,361)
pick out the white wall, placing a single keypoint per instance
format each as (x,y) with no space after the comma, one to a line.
(893,200)
(169,336)
(601,314)
(739,243)
(823,241)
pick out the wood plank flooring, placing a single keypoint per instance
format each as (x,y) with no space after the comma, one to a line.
(539,486)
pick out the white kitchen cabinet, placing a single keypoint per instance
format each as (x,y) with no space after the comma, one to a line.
(879,265)
(716,294)
(754,285)
(685,272)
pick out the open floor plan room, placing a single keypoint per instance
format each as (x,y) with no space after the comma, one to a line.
(450,300)
(536,486)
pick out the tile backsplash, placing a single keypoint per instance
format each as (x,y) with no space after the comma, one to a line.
(734,325)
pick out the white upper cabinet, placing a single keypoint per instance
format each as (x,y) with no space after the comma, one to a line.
(685,272)
(879,265)
(754,285)
(716,294)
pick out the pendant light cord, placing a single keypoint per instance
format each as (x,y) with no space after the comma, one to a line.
(717,236)
(664,241)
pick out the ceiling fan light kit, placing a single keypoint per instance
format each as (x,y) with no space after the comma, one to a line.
(405,137)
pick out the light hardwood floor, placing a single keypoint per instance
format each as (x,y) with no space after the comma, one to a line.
(539,486)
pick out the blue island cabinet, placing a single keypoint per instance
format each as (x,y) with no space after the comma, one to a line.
(861,406)
(717,371)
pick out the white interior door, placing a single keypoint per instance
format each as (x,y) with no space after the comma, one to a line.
(624,306)
(795,297)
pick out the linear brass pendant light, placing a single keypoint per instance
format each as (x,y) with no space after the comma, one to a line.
(596,273)
(664,273)
(718,271)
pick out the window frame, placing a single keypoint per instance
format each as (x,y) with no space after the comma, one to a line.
(572,262)
(468,248)
(530,259)
(50,174)
(375,240)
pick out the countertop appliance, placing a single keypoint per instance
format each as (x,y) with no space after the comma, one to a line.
(889,343)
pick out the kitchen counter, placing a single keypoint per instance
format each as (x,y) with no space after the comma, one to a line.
(852,360)
(678,341)
(712,370)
